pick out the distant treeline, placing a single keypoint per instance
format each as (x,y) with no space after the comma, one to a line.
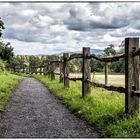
(97,66)
(21,61)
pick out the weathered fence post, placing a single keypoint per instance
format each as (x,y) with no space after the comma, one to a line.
(32,70)
(61,72)
(14,69)
(46,69)
(52,71)
(43,70)
(49,69)
(106,73)
(40,69)
(85,71)
(65,69)
(29,69)
(35,70)
(131,75)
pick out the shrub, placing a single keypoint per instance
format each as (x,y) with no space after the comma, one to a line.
(2,66)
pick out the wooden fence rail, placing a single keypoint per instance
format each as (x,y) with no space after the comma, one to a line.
(107,59)
(73,56)
(131,58)
(108,87)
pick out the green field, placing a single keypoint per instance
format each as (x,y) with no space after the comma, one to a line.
(102,108)
(113,79)
(116,80)
(7,84)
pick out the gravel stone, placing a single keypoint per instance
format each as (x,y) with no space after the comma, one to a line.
(33,112)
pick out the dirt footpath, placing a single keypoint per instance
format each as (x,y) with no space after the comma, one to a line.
(33,113)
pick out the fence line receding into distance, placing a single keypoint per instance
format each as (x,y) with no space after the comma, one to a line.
(131,58)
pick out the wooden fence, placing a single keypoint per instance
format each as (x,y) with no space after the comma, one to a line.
(131,58)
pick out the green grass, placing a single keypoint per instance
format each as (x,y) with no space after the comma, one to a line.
(21,74)
(101,108)
(7,84)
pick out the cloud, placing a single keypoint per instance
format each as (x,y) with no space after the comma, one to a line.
(50,28)
(94,16)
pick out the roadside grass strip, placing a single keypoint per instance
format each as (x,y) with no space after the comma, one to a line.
(8,82)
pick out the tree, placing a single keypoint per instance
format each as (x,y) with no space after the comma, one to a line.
(96,65)
(6,51)
(115,67)
(75,65)
(1,27)
(119,66)
(110,50)
(13,63)
(22,61)
(34,60)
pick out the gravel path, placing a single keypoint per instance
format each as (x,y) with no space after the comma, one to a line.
(33,113)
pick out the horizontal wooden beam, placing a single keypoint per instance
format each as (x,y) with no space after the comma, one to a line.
(136,93)
(55,62)
(74,79)
(108,87)
(137,52)
(56,73)
(38,72)
(76,55)
(107,59)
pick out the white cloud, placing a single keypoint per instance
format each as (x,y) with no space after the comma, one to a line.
(109,38)
(28,12)
(48,28)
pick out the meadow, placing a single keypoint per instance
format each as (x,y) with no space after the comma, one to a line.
(8,83)
(102,108)
(113,79)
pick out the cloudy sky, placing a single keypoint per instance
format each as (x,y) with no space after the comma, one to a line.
(49,28)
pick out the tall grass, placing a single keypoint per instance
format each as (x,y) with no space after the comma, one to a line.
(7,84)
(101,108)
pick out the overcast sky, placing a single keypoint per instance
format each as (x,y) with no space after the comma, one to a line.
(49,28)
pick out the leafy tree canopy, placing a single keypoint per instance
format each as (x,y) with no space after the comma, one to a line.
(1,26)
(6,51)
(110,50)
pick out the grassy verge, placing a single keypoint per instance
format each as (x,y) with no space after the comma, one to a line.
(22,74)
(101,108)
(7,84)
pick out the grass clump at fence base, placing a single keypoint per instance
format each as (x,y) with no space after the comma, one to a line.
(7,84)
(102,108)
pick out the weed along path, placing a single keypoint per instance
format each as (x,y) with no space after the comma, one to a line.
(34,112)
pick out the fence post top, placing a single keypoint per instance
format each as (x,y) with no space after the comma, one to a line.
(86,47)
(65,54)
(131,38)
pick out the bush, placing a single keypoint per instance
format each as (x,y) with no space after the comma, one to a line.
(2,66)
